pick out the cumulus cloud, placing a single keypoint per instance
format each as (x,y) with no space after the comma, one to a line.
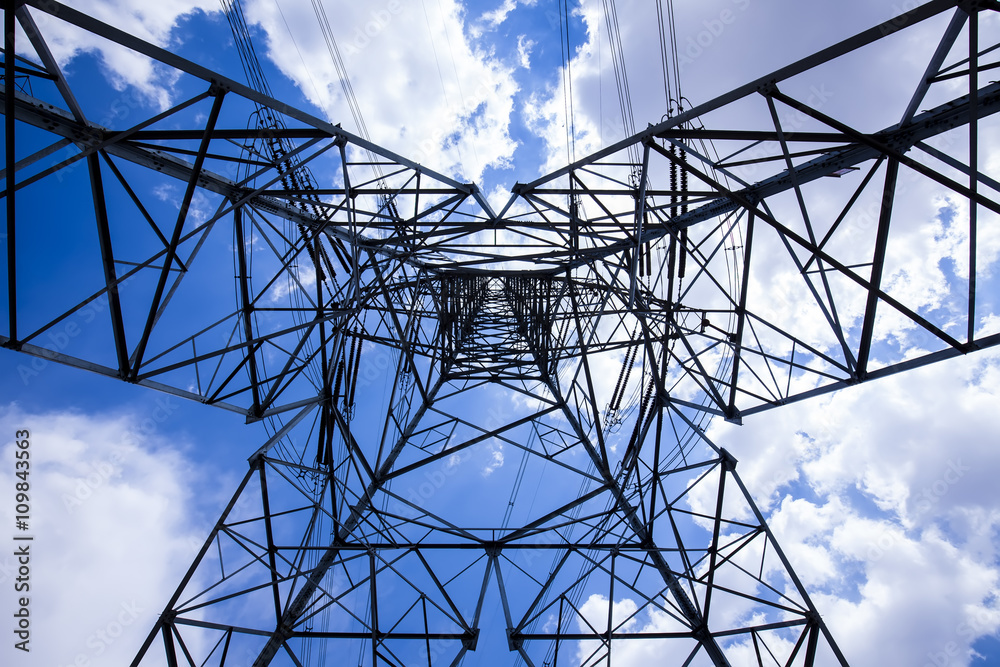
(154,22)
(885,484)
(868,491)
(424,89)
(114,529)
(881,498)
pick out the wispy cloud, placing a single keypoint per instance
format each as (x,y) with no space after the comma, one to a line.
(494,18)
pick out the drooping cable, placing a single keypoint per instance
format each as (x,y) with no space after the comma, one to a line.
(672,23)
(664,63)
(294,176)
(244,45)
(345,80)
(567,71)
(621,76)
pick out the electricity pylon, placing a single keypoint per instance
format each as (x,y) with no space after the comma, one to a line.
(397,335)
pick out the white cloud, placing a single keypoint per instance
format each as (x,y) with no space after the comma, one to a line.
(295,281)
(901,476)
(423,88)
(113,527)
(495,458)
(524,47)
(879,495)
(494,18)
(154,22)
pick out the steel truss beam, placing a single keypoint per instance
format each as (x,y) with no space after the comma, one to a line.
(491,329)
(634,529)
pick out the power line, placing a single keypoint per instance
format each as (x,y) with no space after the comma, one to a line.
(567,69)
(345,80)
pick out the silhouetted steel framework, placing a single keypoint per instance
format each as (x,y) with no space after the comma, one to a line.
(493,328)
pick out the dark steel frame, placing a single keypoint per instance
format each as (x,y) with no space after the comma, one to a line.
(529,300)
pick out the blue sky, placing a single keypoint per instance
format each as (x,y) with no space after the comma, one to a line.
(882,495)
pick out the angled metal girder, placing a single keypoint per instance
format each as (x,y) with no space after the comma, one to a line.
(651,265)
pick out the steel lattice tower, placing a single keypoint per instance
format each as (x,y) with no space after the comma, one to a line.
(639,264)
